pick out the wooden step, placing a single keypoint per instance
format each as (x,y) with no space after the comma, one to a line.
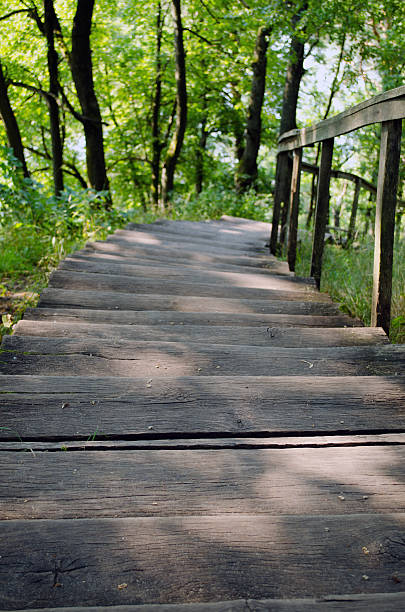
(135,483)
(66,279)
(111,300)
(162,317)
(187,254)
(163,241)
(217,334)
(272,266)
(178,559)
(235,279)
(77,407)
(375,602)
(220,232)
(95,357)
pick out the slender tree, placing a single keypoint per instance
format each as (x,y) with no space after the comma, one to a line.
(295,71)
(82,72)
(176,143)
(11,125)
(247,169)
(50,25)
(157,144)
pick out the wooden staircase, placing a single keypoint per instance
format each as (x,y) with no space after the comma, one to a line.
(184,423)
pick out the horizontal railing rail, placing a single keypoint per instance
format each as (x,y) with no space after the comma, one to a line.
(388,109)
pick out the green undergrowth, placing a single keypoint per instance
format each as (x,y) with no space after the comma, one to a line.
(38,230)
(347,275)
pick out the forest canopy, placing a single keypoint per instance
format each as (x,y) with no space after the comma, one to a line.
(161,100)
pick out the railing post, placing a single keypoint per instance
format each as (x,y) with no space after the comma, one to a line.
(387,185)
(322,209)
(294,209)
(353,215)
(281,192)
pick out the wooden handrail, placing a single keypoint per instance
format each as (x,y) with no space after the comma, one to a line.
(384,107)
(388,109)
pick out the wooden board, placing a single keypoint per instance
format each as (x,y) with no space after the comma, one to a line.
(221,233)
(111,300)
(384,107)
(131,483)
(183,255)
(64,279)
(389,602)
(252,336)
(188,242)
(236,279)
(50,356)
(201,443)
(77,407)
(272,266)
(179,559)
(156,317)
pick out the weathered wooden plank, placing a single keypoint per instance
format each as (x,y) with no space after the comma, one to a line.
(185,255)
(353,213)
(388,172)
(64,279)
(161,240)
(180,559)
(201,443)
(51,356)
(78,407)
(236,279)
(162,317)
(389,602)
(131,483)
(272,266)
(249,336)
(111,300)
(387,106)
(294,209)
(322,210)
(221,232)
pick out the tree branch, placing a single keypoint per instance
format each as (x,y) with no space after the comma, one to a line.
(14,13)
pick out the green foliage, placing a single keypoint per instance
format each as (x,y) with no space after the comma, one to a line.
(347,275)
(216,200)
(37,230)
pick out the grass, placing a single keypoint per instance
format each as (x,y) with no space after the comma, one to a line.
(347,275)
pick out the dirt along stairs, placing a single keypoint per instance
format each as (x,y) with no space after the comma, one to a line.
(185,422)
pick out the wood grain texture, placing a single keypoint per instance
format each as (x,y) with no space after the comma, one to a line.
(236,279)
(221,233)
(188,242)
(79,406)
(68,356)
(249,336)
(185,255)
(389,602)
(272,265)
(158,317)
(127,301)
(132,483)
(182,559)
(384,107)
(64,279)
(202,443)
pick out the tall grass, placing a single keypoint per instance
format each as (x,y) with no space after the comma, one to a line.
(347,275)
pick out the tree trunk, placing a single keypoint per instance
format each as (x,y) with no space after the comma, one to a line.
(157,101)
(295,71)
(82,72)
(11,125)
(247,170)
(176,143)
(52,57)
(199,161)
